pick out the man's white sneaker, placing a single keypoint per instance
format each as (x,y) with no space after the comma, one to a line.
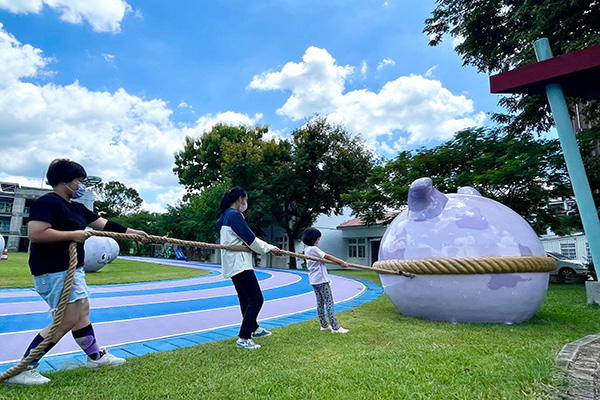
(339,330)
(106,359)
(327,328)
(30,376)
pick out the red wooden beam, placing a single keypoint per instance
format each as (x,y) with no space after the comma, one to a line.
(578,73)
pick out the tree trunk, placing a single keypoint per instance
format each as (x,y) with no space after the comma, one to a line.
(292,248)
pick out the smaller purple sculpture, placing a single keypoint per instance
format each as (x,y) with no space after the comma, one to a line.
(99,251)
(465,224)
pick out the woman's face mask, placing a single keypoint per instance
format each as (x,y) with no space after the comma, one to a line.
(244,206)
(79,192)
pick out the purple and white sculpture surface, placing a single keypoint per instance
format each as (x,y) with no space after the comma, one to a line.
(114,249)
(459,225)
(99,251)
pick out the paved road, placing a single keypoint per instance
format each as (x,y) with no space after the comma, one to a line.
(141,318)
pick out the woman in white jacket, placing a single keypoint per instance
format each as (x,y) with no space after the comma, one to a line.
(234,231)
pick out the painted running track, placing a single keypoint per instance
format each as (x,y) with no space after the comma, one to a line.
(140,318)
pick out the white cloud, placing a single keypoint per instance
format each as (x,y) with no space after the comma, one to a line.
(385,63)
(186,107)
(172,197)
(117,136)
(138,13)
(27,182)
(457,40)
(206,122)
(316,83)
(18,61)
(102,15)
(419,109)
(429,72)
(363,69)
(108,57)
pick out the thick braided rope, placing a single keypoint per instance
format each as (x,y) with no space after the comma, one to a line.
(378,270)
(58,316)
(470,265)
(165,239)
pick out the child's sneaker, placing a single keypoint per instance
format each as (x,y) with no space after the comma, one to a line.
(327,328)
(247,344)
(104,360)
(261,332)
(29,376)
(339,330)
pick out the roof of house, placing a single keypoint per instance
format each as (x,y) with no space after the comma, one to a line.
(359,221)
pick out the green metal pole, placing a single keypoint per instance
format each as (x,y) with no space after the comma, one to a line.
(568,142)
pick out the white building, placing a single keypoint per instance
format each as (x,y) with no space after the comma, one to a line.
(574,247)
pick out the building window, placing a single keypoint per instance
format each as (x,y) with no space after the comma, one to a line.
(588,255)
(4,225)
(357,248)
(281,242)
(5,207)
(568,250)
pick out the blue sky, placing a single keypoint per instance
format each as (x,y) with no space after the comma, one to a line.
(118,85)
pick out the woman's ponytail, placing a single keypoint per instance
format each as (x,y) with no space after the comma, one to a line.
(231,197)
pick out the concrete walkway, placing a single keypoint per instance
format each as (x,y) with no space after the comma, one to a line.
(580,360)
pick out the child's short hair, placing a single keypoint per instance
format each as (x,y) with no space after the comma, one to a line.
(310,236)
(64,170)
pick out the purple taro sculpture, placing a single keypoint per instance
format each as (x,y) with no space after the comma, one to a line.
(461,225)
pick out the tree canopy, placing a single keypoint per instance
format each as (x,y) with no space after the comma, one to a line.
(521,173)
(289,181)
(114,199)
(498,35)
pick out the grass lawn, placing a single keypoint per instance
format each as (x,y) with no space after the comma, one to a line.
(384,356)
(14,273)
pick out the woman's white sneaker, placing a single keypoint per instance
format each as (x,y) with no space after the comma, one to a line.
(247,344)
(261,332)
(105,360)
(339,330)
(30,376)
(327,328)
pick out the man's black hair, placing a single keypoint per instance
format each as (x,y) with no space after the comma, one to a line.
(64,170)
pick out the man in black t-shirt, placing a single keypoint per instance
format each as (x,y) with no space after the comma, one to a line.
(54,222)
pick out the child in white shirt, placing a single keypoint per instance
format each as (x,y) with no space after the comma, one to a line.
(318,278)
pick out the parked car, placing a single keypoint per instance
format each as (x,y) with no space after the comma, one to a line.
(592,272)
(568,268)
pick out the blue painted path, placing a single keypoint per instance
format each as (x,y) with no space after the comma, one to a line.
(141,318)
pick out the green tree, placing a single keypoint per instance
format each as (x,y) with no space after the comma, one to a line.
(114,199)
(146,221)
(289,182)
(194,218)
(522,174)
(498,35)
(199,164)
(591,159)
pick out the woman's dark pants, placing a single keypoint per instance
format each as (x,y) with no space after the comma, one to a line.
(251,301)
